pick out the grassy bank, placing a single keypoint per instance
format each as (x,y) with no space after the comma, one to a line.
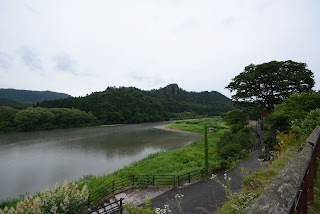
(183,159)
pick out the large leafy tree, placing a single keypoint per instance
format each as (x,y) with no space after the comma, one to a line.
(270,83)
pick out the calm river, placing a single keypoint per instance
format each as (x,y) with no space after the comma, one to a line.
(31,161)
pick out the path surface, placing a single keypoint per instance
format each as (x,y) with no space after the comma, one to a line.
(207,196)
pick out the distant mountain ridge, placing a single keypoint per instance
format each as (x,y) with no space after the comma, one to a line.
(31,97)
(132,105)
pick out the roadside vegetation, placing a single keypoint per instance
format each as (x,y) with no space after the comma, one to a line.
(279,147)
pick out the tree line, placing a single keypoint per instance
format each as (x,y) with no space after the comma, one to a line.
(34,119)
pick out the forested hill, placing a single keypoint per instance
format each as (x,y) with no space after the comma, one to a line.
(132,105)
(14,104)
(30,97)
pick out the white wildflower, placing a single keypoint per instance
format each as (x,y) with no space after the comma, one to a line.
(213,176)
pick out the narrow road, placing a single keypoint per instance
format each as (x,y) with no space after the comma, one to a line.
(208,195)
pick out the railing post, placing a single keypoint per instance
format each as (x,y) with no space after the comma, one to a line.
(189,177)
(132,180)
(317,154)
(174,180)
(310,177)
(178,180)
(153,180)
(302,207)
(121,205)
(88,200)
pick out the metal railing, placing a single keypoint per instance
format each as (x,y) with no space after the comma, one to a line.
(158,180)
(108,208)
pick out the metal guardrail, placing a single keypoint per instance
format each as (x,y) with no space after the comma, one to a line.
(108,208)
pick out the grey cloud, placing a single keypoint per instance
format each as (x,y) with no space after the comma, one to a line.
(151,80)
(5,60)
(228,21)
(264,5)
(64,63)
(187,25)
(32,10)
(29,58)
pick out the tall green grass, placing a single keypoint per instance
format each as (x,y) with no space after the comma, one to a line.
(197,126)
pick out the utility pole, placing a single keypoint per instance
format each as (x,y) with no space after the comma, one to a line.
(206,162)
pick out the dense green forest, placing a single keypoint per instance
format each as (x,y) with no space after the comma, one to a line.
(33,119)
(132,105)
(14,104)
(30,97)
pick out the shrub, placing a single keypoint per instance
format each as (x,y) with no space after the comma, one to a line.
(235,117)
(306,125)
(286,140)
(64,199)
(231,144)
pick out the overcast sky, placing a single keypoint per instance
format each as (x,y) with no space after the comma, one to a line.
(81,46)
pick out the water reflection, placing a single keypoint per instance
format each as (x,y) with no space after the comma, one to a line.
(31,161)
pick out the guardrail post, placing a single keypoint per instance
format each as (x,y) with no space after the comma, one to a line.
(121,205)
(174,180)
(178,180)
(88,200)
(189,177)
(112,186)
(153,181)
(132,180)
(310,177)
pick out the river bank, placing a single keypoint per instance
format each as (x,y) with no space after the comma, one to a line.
(180,160)
(183,159)
(30,161)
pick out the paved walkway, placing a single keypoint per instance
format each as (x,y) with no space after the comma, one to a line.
(207,196)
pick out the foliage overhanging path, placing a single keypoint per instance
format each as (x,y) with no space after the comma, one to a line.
(208,194)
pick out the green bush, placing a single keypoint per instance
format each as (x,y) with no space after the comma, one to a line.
(296,107)
(229,150)
(231,144)
(34,119)
(235,117)
(308,124)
